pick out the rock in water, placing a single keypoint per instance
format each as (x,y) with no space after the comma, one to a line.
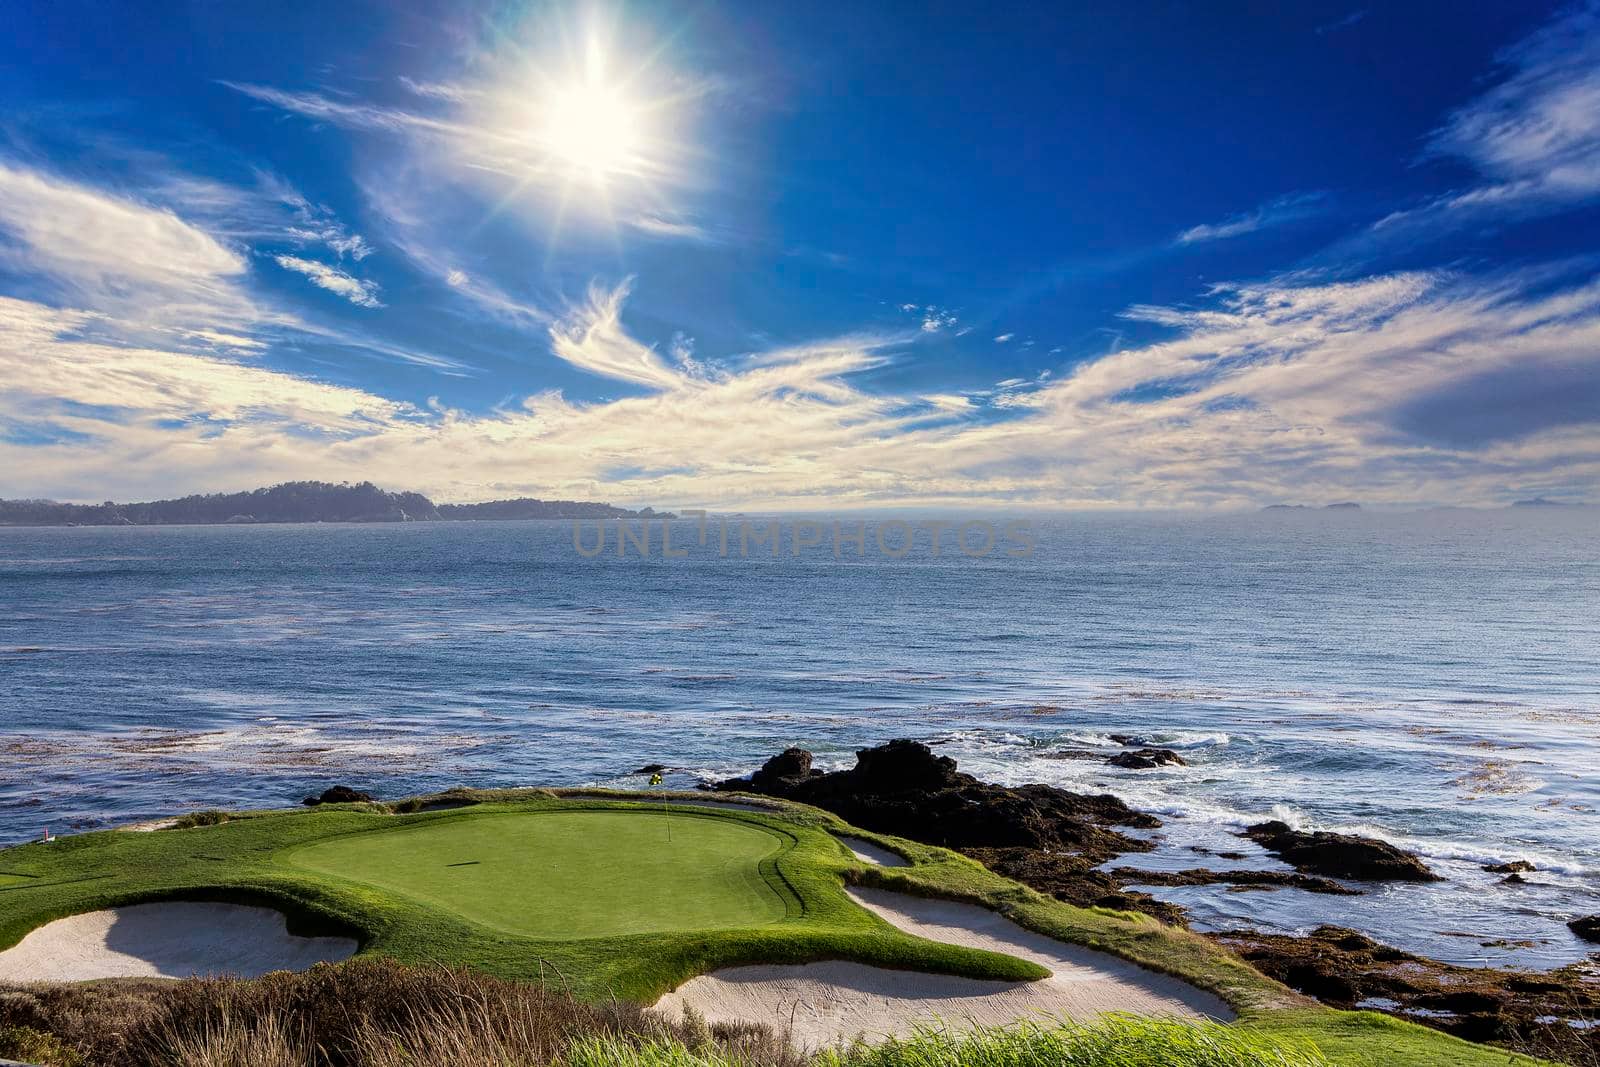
(1344,968)
(903,788)
(784,771)
(1339,855)
(905,765)
(339,794)
(1146,758)
(1587,927)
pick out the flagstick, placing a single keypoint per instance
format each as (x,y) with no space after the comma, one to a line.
(666,809)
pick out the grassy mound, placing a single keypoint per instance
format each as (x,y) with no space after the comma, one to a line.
(572,875)
(588,893)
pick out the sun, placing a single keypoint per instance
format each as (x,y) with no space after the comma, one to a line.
(592,128)
(591,123)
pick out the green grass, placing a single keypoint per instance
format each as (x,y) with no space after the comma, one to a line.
(568,876)
(1112,1041)
(582,890)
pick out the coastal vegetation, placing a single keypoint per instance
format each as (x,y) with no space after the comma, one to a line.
(379,1013)
(298,502)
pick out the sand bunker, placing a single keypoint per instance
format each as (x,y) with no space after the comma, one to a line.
(170,940)
(822,1004)
(877,855)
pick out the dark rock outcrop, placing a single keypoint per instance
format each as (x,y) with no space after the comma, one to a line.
(782,772)
(903,788)
(1042,836)
(1513,867)
(1339,855)
(651,768)
(339,794)
(1345,969)
(1145,758)
(1587,927)
(1252,879)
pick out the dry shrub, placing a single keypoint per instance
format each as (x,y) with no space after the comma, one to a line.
(361,1013)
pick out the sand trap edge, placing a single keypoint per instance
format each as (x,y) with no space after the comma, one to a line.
(170,939)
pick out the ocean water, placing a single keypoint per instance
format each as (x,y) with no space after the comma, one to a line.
(1429,678)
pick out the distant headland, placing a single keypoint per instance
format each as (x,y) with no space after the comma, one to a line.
(301,502)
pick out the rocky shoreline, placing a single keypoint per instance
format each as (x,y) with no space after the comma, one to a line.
(1058,842)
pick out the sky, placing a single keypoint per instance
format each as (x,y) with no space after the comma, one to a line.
(803,256)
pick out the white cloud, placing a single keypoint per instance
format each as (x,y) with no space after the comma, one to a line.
(682,349)
(440,90)
(1276,213)
(456,278)
(344,244)
(1537,133)
(1003,338)
(1416,388)
(118,253)
(1534,138)
(932,318)
(358,115)
(357,291)
(47,363)
(658,226)
(592,337)
(951,402)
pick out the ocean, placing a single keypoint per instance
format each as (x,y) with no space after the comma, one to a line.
(1430,678)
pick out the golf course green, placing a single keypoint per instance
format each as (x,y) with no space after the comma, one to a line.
(572,875)
(616,895)
(611,896)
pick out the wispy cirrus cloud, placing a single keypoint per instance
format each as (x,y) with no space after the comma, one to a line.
(1284,209)
(592,337)
(135,272)
(117,252)
(362,116)
(356,290)
(1536,135)
(1533,139)
(680,229)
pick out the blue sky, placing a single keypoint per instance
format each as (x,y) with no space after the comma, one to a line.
(807,255)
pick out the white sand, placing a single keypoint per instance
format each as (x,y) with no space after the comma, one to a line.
(170,940)
(877,855)
(822,1004)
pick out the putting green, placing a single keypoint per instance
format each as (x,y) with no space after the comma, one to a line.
(565,876)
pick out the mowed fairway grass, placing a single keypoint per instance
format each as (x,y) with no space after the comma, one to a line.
(571,875)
